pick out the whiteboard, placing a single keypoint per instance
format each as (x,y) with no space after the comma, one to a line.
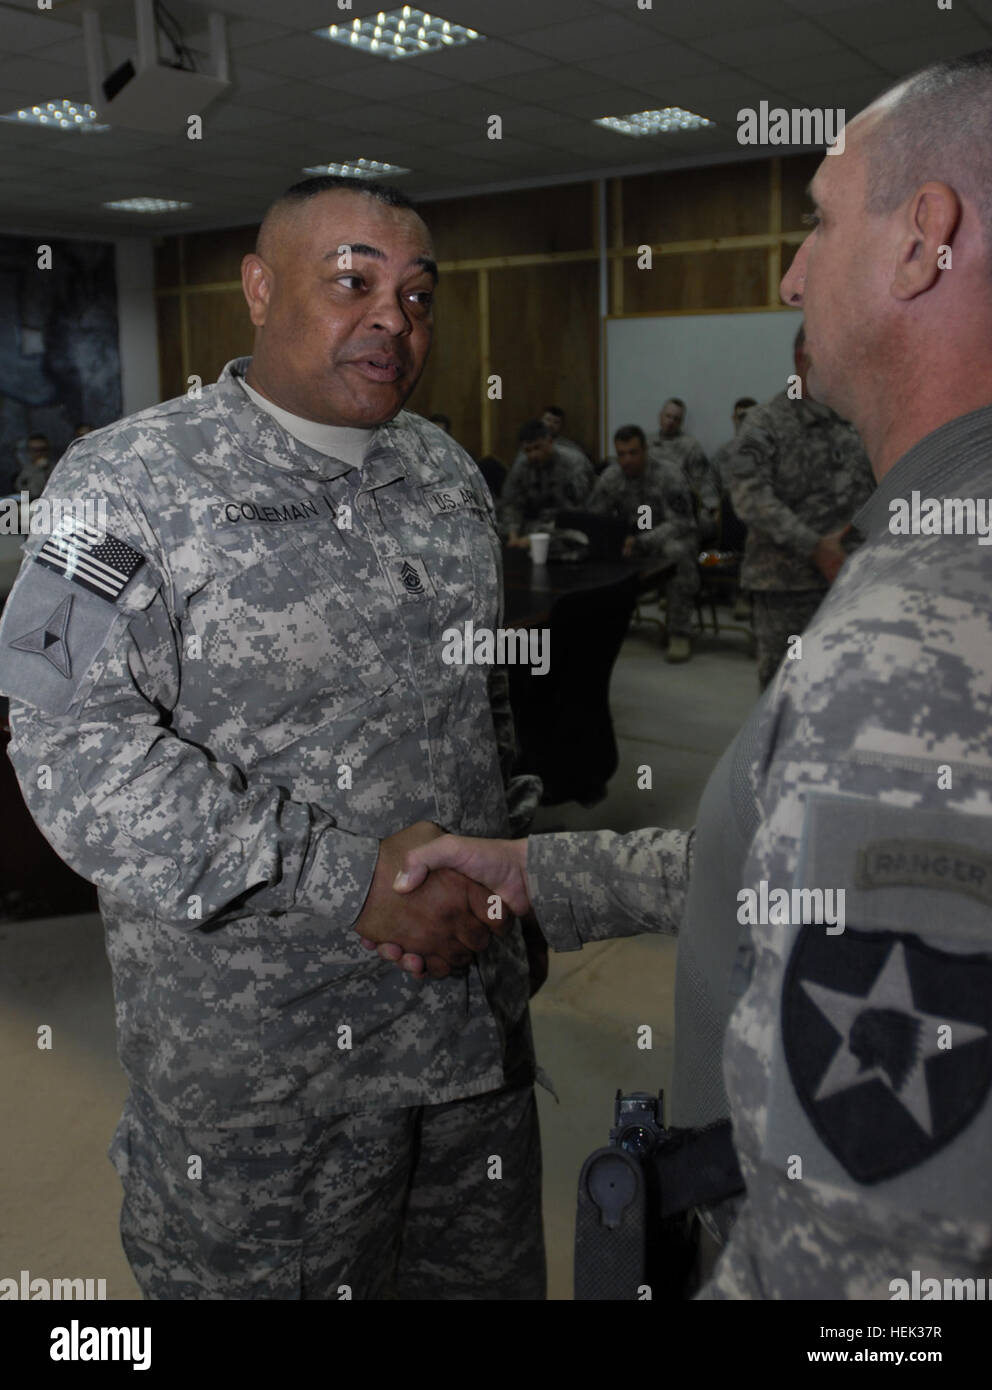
(706,359)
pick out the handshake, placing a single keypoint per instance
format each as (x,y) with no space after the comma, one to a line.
(436,899)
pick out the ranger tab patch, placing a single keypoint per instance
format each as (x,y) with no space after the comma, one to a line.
(888,1043)
(93,559)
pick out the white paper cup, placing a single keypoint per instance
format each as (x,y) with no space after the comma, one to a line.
(539,542)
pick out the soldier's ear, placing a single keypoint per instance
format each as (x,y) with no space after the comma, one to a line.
(256,282)
(930,220)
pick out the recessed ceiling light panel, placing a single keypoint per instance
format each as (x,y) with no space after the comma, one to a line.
(400,33)
(58,115)
(358,169)
(663,122)
(147,205)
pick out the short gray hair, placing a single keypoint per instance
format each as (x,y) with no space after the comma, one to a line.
(939,127)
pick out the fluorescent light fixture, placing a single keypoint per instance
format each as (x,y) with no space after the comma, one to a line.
(58,115)
(662,122)
(357,169)
(147,205)
(399,33)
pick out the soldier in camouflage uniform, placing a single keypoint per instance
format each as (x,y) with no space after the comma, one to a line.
(545,481)
(725,452)
(673,444)
(554,418)
(797,475)
(857,1062)
(239,698)
(665,531)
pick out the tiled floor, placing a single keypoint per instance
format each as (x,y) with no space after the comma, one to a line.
(59,1196)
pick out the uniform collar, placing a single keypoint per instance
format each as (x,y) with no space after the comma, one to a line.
(394,451)
(953,457)
(811,411)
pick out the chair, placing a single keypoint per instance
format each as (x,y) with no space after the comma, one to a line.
(720,578)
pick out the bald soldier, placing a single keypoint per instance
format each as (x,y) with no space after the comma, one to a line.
(796,476)
(672,444)
(857,1063)
(239,696)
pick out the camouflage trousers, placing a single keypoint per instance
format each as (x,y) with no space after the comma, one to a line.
(432,1202)
(679,589)
(778,615)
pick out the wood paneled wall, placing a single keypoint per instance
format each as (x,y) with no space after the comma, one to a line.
(519,292)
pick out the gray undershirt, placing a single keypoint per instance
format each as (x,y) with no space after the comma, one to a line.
(336,441)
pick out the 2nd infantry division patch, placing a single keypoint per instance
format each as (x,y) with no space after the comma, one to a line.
(888,1043)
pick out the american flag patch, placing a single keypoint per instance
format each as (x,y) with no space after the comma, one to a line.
(97,561)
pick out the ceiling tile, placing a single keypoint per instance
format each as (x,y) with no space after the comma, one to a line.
(602,100)
(479,61)
(461,103)
(391,81)
(839,66)
(527,118)
(694,19)
(295,14)
(22,31)
(433,133)
(900,57)
(850,97)
(767,43)
(43,81)
(652,64)
(508,18)
(372,118)
(301,99)
(303,55)
(596,37)
(73,54)
(540,85)
(879,21)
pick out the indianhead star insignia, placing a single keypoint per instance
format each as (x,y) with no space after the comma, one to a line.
(888,1041)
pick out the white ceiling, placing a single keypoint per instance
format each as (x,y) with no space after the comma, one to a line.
(548,67)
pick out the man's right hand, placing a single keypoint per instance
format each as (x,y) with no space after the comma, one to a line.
(443,921)
(501,865)
(829,554)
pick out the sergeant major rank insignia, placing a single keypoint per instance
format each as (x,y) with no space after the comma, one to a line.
(408,578)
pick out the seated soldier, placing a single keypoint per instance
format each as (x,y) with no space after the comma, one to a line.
(671,442)
(652,499)
(554,418)
(542,483)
